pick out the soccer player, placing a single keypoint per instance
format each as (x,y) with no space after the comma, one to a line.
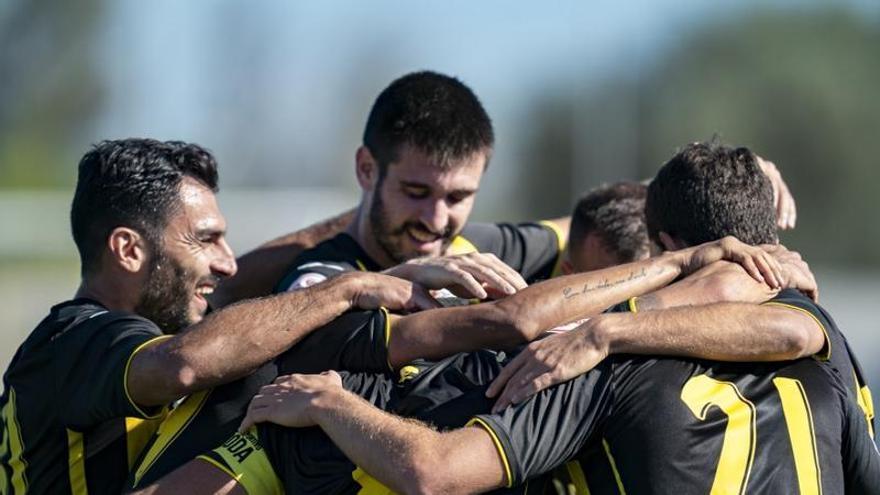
(89,385)
(663,425)
(377,341)
(608,228)
(426,144)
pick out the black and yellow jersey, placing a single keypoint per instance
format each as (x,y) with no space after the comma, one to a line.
(693,426)
(68,424)
(271,459)
(354,341)
(532,249)
(837,352)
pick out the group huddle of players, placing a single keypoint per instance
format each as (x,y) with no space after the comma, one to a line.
(658,340)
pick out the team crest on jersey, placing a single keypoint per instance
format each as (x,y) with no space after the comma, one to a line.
(307,280)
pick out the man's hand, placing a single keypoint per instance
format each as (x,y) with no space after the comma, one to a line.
(373,290)
(786,211)
(473,275)
(289,400)
(759,263)
(796,272)
(547,362)
(722,281)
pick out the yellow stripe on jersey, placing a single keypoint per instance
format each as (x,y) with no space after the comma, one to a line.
(76,463)
(4,449)
(361,266)
(560,245)
(137,349)
(247,463)
(170,429)
(823,356)
(633,308)
(369,485)
(14,446)
(498,446)
(613,467)
(578,478)
(137,434)
(866,402)
(460,245)
(799,422)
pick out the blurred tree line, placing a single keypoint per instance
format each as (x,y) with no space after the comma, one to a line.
(50,89)
(799,88)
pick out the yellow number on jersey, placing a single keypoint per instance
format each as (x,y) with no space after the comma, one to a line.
(738,447)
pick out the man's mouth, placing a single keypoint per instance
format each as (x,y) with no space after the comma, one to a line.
(423,236)
(202,291)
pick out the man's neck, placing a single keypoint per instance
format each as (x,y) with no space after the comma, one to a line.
(111,295)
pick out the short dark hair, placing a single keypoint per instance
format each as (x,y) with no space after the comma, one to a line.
(708,191)
(616,213)
(133,183)
(434,113)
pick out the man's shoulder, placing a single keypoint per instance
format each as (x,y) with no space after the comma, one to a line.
(336,255)
(79,314)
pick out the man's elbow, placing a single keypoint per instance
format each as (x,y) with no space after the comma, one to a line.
(160,379)
(802,340)
(429,478)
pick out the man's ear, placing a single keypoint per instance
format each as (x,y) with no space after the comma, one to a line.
(566,267)
(669,243)
(128,249)
(366,169)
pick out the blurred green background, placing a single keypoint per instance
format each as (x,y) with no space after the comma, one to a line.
(581,93)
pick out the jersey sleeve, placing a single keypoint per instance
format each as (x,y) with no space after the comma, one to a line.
(861,460)
(356,341)
(243,458)
(532,249)
(794,300)
(551,427)
(91,365)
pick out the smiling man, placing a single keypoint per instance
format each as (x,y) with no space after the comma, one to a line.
(88,387)
(426,144)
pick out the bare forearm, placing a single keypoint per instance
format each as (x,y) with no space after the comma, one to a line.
(233,342)
(402,453)
(259,270)
(721,332)
(523,316)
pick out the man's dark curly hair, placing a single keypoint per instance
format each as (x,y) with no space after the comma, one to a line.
(132,183)
(616,213)
(435,114)
(708,191)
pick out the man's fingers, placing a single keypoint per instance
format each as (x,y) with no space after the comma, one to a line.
(770,269)
(467,281)
(532,387)
(504,376)
(749,264)
(489,276)
(512,276)
(421,299)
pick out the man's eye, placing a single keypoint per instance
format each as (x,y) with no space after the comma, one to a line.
(416,193)
(457,198)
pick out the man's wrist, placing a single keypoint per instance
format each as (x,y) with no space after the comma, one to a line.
(347,287)
(599,333)
(325,402)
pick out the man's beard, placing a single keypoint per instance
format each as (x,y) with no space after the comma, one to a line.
(385,234)
(165,299)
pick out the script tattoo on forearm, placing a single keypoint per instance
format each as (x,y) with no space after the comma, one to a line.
(570,292)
